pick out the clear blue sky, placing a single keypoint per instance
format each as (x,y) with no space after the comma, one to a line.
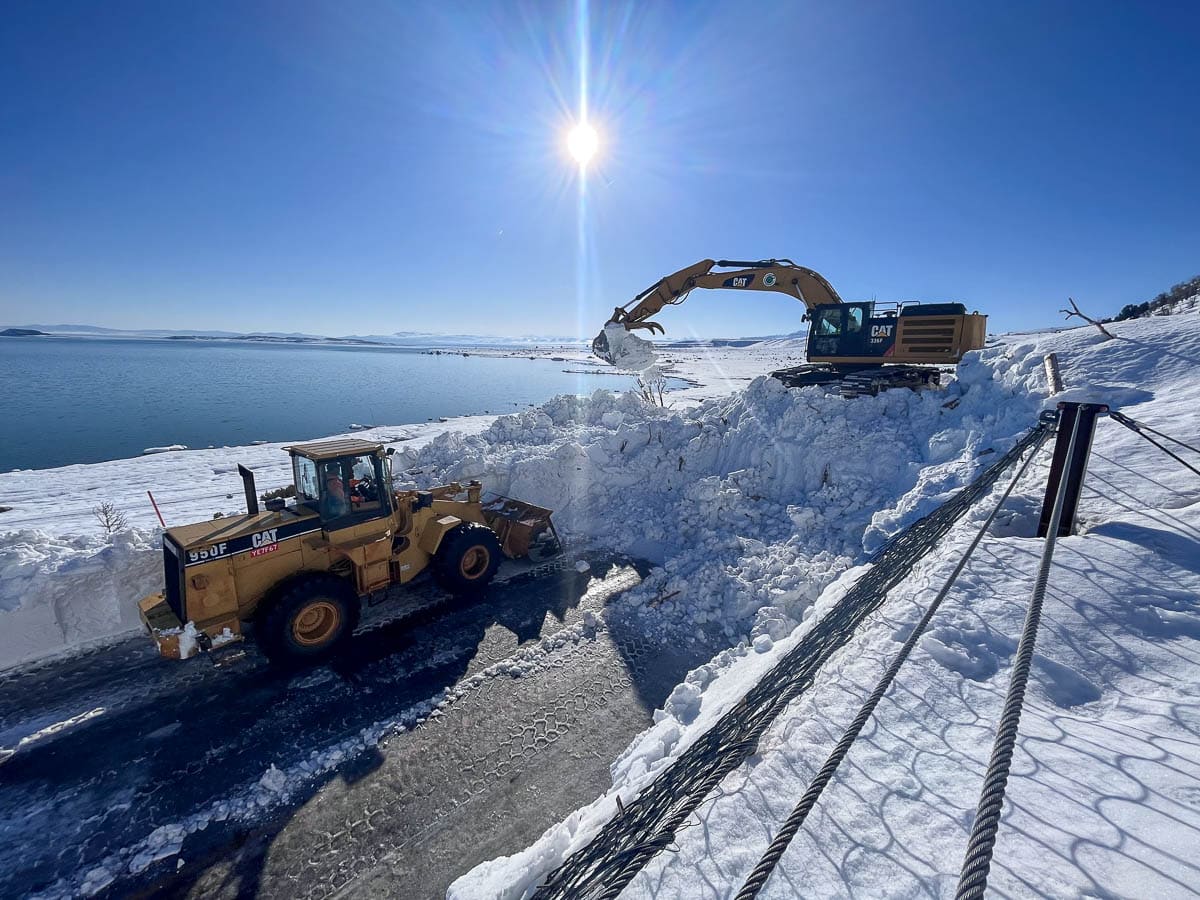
(372,167)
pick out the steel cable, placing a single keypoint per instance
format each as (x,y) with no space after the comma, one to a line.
(1142,426)
(648,823)
(1139,428)
(972,881)
(774,852)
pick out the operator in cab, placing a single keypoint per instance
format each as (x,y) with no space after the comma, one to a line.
(334,502)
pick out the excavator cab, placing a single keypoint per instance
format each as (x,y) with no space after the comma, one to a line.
(840,329)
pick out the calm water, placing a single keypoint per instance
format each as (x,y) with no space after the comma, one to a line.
(72,400)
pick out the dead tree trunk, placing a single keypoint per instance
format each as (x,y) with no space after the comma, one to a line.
(1075,311)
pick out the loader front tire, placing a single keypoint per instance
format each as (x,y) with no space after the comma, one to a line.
(467,559)
(310,620)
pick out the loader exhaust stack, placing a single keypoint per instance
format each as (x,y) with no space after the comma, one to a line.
(251,493)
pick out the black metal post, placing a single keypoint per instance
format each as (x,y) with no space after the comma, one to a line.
(1070,417)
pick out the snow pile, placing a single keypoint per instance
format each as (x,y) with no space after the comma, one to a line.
(751,503)
(58,592)
(1101,799)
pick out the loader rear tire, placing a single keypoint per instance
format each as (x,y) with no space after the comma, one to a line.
(310,620)
(467,559)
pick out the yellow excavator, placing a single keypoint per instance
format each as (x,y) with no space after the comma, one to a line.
(861,347)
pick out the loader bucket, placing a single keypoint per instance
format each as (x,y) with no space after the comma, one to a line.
(518,524)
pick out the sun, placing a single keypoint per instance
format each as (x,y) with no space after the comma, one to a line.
(582,142)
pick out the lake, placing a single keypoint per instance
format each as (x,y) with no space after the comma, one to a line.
(79,399)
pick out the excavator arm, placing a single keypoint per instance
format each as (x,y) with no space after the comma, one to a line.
(779,275)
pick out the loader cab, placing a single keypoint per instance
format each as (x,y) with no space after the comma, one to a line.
(345,482)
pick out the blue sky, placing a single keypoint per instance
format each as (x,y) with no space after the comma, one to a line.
(373,167)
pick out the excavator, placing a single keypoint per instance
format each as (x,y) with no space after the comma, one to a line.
(859,347)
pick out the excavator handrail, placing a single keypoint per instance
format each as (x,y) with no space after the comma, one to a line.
(759,264)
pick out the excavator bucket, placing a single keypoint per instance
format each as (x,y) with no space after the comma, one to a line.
(601,349)
(618,346)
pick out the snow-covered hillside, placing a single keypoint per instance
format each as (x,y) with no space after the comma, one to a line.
(759,504)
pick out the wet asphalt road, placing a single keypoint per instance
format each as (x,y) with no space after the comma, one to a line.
(150,745)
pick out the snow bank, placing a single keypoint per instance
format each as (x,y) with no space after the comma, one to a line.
(57,592)
(751,502)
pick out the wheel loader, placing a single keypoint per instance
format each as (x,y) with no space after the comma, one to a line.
(296,574)
(859,347)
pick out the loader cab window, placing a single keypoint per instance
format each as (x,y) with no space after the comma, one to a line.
(308,489)
(352,488)
(854,319)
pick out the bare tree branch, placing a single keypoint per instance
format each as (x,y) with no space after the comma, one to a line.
(1075,311)
(110,518)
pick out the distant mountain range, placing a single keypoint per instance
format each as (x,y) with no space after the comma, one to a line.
(416,339)
(398,339)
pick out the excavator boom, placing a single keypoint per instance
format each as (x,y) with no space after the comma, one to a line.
(779,275)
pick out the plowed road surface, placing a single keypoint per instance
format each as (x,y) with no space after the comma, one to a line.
(122,773)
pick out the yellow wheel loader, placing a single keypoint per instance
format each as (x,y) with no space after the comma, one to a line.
(298,573)
(861,347)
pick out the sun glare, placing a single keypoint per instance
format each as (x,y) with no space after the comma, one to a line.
(583,141)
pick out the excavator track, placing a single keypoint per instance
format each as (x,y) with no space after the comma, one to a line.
(872,381)
(861,382)
(808,375)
